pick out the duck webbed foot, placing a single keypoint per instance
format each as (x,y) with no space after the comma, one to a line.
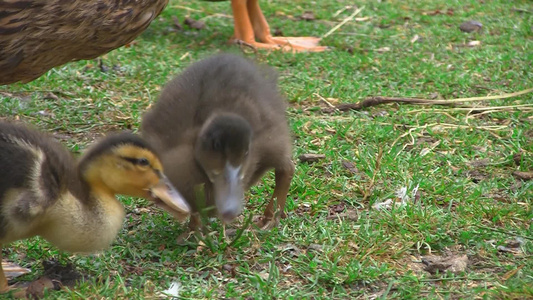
(251,25)
(267,223)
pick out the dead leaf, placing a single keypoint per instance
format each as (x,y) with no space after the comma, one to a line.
(479,163)
(517,157)
(523,175)
(230,269)
(350,215)
(315,247)
(12,270)
(473,43)
(308,16)
(36,289)
(382,113)
(436,12)
(512,246)
(336,208)
(50,96)
(470,26)
(350,166)
(511,273)
(476,176)
(173,291)
(508,250)
(383,49)
(290,249)
(192,23)
(310,157)
(435,263)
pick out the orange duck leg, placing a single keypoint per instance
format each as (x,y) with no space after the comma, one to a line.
(250,24)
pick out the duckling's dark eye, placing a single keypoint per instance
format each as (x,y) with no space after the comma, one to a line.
(137,161)
(217,145)
(142,162)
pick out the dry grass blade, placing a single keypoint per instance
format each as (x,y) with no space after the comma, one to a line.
(377,100)
(346,20)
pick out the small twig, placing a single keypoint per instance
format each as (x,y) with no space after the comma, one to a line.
(346,20)
(340,11)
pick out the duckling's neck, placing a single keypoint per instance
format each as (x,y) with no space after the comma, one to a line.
(84,225)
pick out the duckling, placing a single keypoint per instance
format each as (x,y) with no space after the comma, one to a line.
(44,192)
(222,123)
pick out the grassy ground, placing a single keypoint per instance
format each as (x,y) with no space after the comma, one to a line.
(334,244)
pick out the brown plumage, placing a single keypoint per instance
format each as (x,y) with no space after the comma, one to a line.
(45,192)
(37,35)
(222,123)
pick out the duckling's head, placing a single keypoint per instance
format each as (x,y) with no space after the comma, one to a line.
(222,150)
(125,164)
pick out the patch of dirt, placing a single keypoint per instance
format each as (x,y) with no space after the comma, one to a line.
(498,195)
(342,211)
(476,175)
(479,163)
(62,275)
(440,264)
(56,276)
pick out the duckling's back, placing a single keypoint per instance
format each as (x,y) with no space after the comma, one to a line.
(35,170)
(221,83)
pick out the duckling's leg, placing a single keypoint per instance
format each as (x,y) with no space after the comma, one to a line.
(250,23)
(195,225)
(272,215)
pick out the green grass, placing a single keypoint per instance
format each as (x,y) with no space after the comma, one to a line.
(462,208)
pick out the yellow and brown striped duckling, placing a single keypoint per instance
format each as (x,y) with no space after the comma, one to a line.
(45,192)
(222,123)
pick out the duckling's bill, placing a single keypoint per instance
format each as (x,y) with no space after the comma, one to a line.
(167,197)
(229,192)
